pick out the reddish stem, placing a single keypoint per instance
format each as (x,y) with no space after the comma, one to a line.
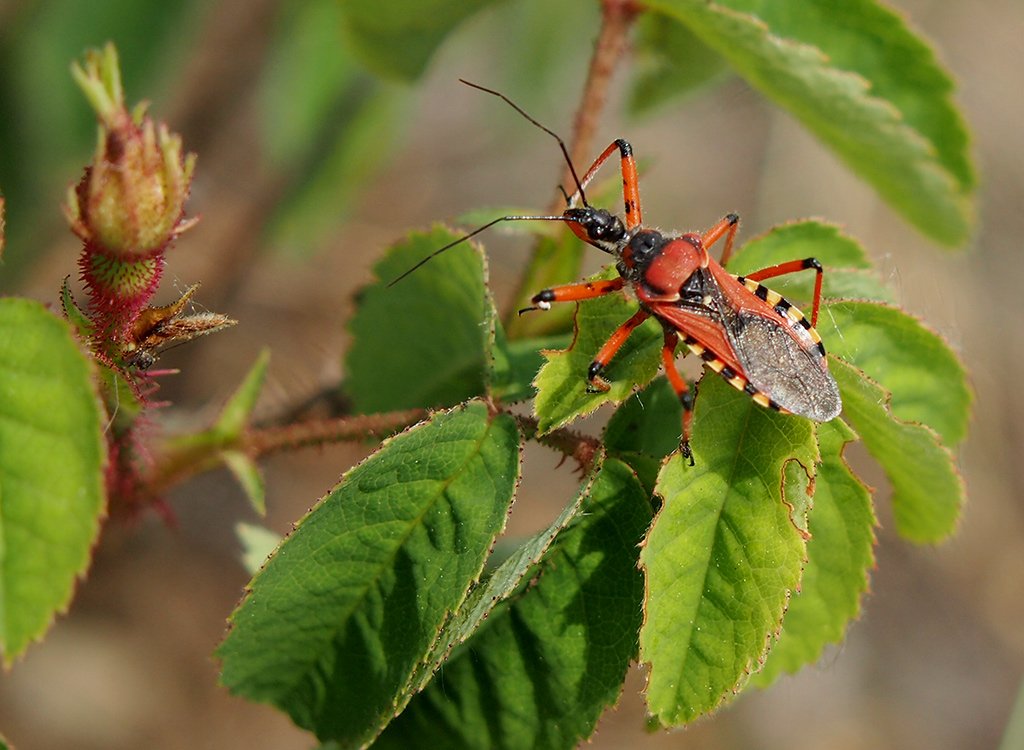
(616,19)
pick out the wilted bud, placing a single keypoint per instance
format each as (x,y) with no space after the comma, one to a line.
(130,202)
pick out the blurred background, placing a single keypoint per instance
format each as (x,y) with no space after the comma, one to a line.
(310,165)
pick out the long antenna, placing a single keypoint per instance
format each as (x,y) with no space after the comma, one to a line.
(488,225)
(474,233)
(553,134)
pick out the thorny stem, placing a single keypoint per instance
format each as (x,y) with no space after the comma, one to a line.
(543,268)
(178,465)
(265,441)
(580,448)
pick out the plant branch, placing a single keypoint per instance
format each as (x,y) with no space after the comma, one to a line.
(191,455)
(617,18)
(581,448)
(546,268)
(264,441)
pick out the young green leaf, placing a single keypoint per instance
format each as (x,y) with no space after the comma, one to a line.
(723,555)
(927,490)
(247,473)
(425,341)
(52,455)
(557,259)
(547,663)
(236,412)
(334,626)
(857,78)
(562,385)
(839,556)
(222,439)
(927,382)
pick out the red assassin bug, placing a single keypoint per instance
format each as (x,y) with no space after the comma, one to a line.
(754,338)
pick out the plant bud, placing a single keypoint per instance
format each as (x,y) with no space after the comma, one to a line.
(129,205)
(130,201)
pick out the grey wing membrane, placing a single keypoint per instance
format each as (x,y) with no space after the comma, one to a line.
(782,361)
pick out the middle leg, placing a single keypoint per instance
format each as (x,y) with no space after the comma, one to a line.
(685,395)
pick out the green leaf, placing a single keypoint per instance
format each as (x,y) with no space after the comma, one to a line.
(52,456)
(247,473)
(398,41)
(915,365)
(236,412)
(723,554)
(556,260)
(257,544)
(334,626)
(857,78)
(425,341)
(839,556)
(517,362)
(501,584)
(645,429)
(547,663)
(562,382)
(662,73)
(847,268)
(875,41)
(927,490)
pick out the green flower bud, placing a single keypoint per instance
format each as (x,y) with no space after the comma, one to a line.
(130,202)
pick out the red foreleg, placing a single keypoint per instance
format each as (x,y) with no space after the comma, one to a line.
(574,293)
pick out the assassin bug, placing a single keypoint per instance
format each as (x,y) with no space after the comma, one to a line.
(751,336)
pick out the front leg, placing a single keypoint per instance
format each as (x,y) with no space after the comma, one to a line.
(595,382)
(574,293)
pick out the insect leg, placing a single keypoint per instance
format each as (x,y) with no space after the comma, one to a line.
(794,266)
(728,227)
(573,293)
(683,392)
(630,180)
(611,346)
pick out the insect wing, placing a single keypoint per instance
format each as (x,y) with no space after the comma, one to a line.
(780,355)
(768,354)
